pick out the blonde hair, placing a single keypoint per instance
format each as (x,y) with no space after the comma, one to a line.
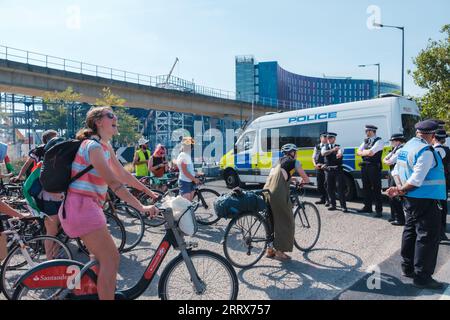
(90,129)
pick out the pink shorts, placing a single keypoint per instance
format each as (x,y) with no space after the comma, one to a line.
(83,215)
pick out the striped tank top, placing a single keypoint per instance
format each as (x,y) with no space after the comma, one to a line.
(90,184)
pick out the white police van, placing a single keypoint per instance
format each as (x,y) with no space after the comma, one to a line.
(257,149)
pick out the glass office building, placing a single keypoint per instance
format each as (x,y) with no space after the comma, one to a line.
(269,84)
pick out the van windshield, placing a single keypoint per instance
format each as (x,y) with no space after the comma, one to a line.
(409,122)
(246,142)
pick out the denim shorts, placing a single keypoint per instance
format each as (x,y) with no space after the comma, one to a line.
(185,187)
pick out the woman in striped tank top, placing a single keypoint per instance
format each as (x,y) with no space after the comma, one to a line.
(85,197)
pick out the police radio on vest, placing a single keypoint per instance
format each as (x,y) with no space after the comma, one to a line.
(313,117)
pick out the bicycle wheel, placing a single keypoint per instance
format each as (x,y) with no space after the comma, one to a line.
(20,260)
(133,223)
(117,231)
(246,239)
(205,214)
(307,226)
(147,201)
(214,272)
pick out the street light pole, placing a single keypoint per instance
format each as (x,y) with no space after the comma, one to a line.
(403,50)
(379,74)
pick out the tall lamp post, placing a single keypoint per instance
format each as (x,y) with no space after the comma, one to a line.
(370,65)
(403,50)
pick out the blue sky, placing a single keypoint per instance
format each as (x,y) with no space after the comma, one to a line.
(306,37)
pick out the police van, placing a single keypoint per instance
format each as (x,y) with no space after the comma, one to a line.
(258,148)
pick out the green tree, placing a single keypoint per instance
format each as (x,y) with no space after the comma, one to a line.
(60,111)
(128,125)
(433,74)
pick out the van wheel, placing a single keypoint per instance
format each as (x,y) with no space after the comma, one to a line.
(232,180)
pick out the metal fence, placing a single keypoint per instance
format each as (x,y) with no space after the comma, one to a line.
(173,83)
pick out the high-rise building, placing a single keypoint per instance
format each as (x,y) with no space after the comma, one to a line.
(269,84)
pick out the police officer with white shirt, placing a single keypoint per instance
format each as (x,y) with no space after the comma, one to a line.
(397,214)
(333,158)
(371,151)
(444,152)
(319,162)
(419,174)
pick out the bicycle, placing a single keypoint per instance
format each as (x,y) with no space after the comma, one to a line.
(25,252)
(131,219)
(204,213)
(192,274)
(248,235)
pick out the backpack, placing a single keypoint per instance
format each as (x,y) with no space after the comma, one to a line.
(238,202)
(56,171)
(446,163)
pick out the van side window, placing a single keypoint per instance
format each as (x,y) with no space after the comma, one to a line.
(303,136)
(246,142)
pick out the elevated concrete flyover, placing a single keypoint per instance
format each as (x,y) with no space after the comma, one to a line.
(28,79)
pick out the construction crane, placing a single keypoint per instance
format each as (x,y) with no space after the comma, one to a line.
(171,71)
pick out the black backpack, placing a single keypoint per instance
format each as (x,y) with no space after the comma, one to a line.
(446,163)
(56,168)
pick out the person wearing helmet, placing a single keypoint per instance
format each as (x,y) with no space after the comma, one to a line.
(141,158)
(278,183)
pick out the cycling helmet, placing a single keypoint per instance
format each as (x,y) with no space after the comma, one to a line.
(288,148)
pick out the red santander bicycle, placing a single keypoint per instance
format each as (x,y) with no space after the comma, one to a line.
(193,274)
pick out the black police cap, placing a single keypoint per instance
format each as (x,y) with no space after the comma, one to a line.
(324,134)
(427,127)
(441,134)
(371,127)
(398,137)
(331,135)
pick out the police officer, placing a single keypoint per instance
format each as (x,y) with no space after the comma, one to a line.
(318,162)
(333,158)
(444,152)
(397,214)
(371,151)
(419,174)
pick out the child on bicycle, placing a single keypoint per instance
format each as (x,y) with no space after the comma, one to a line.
(278,183)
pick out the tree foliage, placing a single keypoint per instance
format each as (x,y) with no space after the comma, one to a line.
(58,109)
(433,74)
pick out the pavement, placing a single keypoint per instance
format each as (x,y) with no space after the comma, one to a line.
(356,258)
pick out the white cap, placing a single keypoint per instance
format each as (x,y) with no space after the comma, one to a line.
(142,141)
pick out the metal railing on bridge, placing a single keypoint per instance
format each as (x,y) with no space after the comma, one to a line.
(173,83)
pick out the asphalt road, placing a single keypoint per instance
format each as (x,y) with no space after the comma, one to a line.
(351,245)
(338,268)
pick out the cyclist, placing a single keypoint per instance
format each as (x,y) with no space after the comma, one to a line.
(158,166)
(35,156)
(141,158)
(81,214)
(187,177)
(278,183)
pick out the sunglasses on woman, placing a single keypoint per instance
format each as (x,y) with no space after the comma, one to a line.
(110,115)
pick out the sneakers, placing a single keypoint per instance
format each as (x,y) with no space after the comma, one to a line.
(397,223)
(430,284)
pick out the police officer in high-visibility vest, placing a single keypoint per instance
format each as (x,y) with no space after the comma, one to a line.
(397,215)
(141,158)
(420,179)
(318,162)
(444,152)
(333,158)
(371,151)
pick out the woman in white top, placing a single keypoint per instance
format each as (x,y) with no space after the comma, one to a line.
(187,178)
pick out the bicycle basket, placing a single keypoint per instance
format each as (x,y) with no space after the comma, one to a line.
(183,214)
